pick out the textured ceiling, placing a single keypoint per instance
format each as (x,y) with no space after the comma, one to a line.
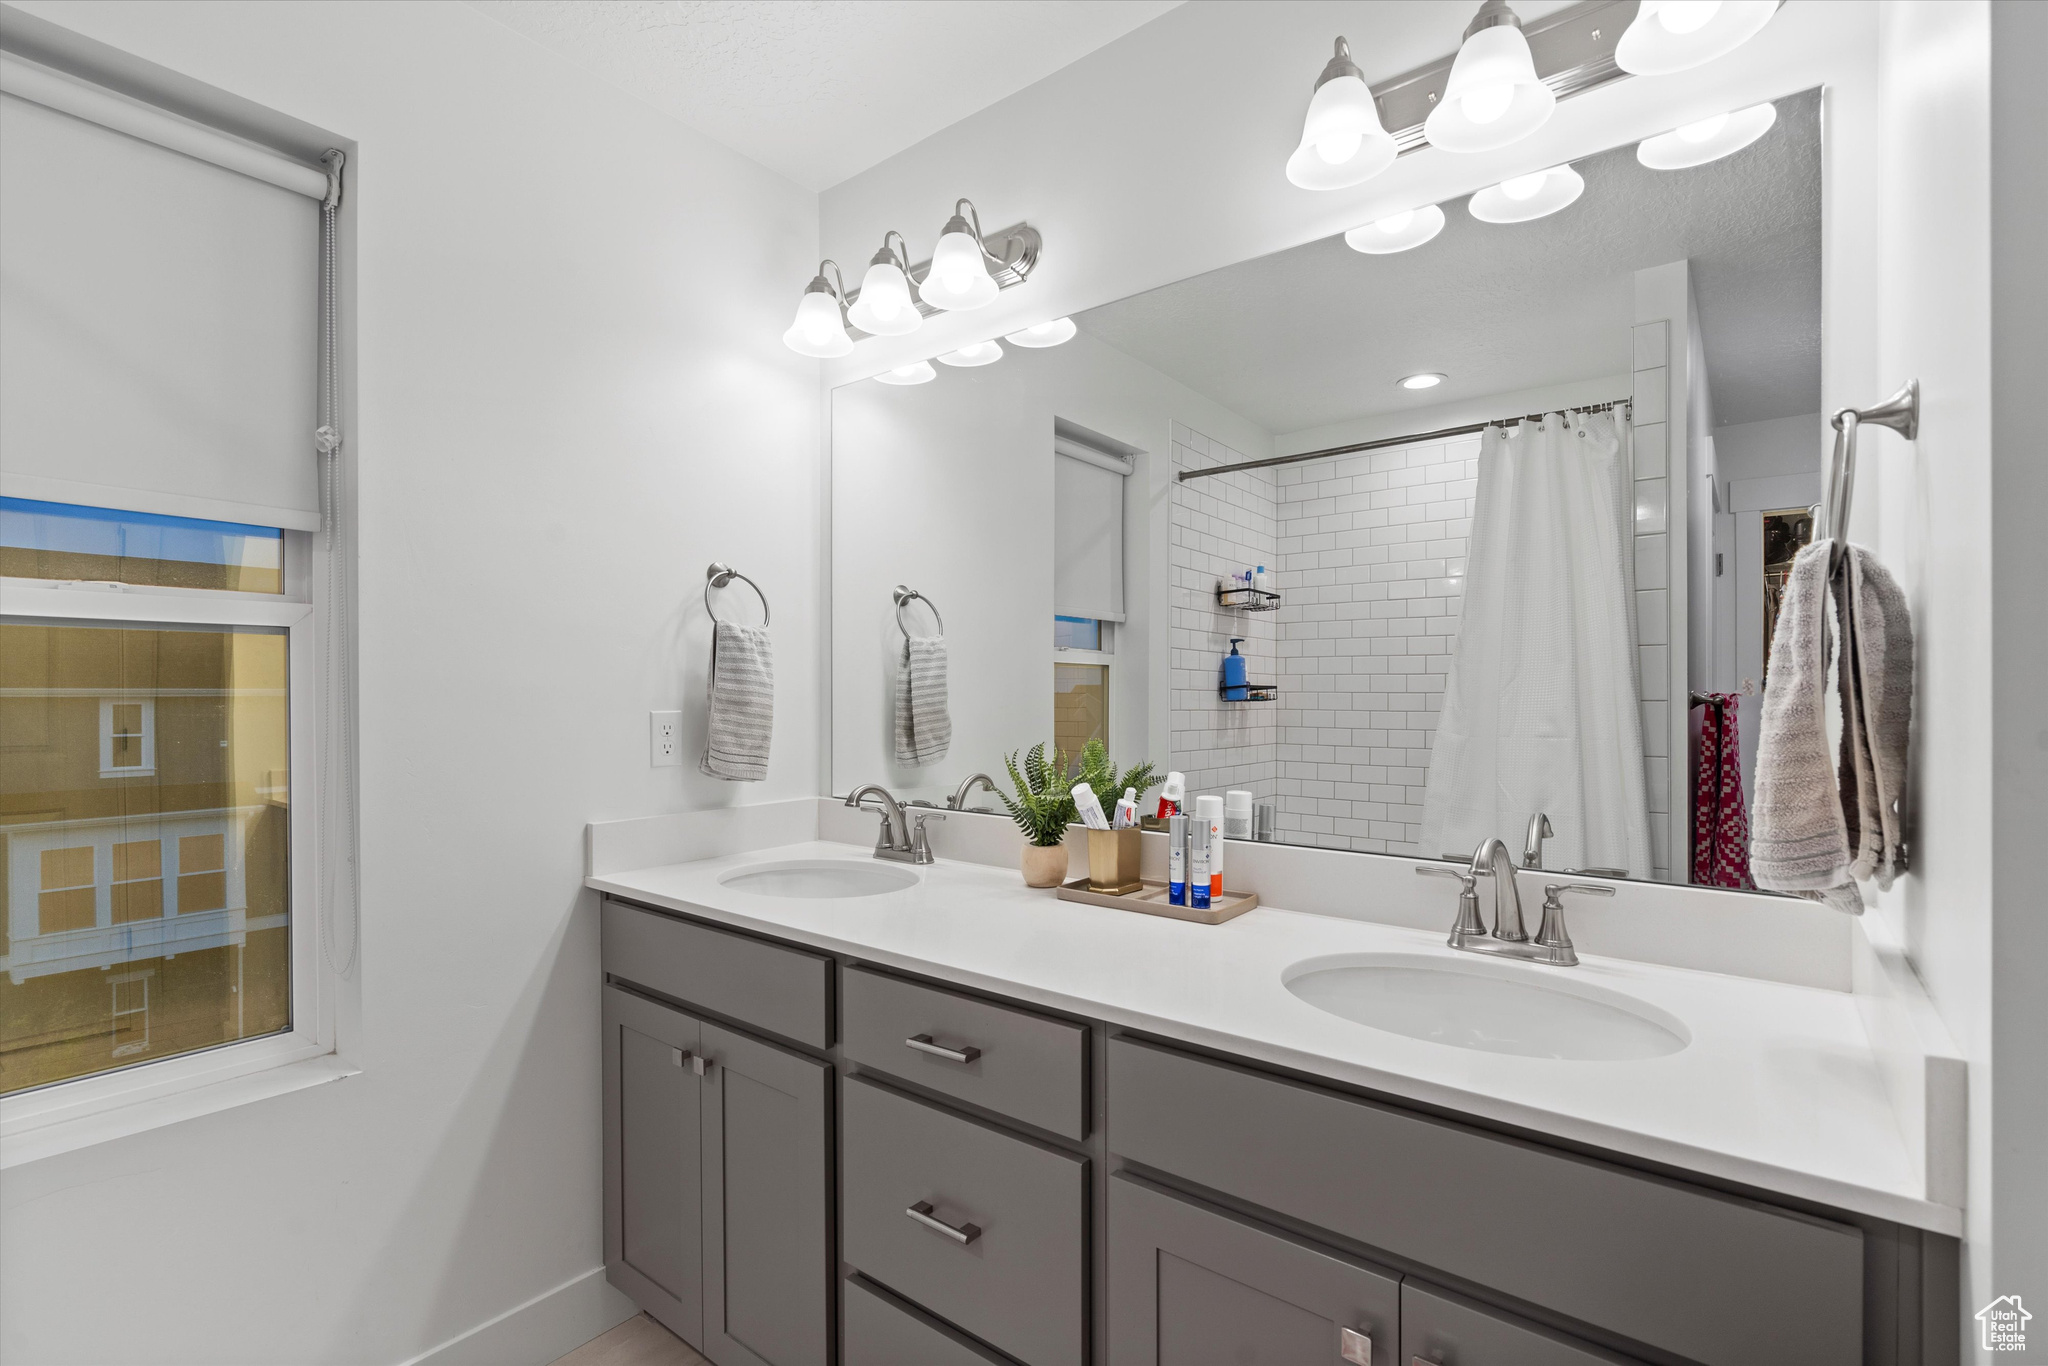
(820,90)
(1319,334)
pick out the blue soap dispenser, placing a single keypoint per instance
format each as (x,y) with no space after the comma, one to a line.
(1234,689)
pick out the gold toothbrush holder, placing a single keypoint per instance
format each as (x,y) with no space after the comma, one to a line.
(1113,862)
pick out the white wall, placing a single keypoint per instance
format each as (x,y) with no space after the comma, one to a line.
(1765,450)
(562,417)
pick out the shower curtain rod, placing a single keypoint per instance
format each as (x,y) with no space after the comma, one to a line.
(1469,429)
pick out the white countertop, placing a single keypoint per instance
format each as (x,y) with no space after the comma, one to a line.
(1779,1087)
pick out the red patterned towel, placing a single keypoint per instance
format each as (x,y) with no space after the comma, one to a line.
(1720,821)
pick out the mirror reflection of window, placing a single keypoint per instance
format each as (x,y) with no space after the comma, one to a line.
(1080,682)
(1787,531)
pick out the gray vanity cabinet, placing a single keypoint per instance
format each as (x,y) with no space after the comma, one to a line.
(1189,1286)
(716,1184)
(768,1263)
(653,1204)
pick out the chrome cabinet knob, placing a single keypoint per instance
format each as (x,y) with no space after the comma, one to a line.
(1354,1347)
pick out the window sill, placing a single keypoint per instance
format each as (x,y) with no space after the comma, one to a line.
(47,1130)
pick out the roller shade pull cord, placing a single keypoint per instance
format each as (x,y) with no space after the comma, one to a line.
(337,857)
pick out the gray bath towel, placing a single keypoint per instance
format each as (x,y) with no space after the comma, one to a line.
(742,691)
(1823,822)
(924,725)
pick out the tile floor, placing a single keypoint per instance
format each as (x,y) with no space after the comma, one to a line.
(639,1341)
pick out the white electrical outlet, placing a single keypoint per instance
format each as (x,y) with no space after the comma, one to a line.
(664,738)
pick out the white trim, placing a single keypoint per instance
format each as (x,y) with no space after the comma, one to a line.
(178,607)
(27,81)
(540,1330)
(1089,455)
(145,769)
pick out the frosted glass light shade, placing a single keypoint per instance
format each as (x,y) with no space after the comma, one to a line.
(1521,198)
(1050,333)
(974,353)
(1342,140)
(959,277)
(1673,35)
(1493,97)
(1696,144)
(917,372)
(885,307)
(1396,232)
(818,330)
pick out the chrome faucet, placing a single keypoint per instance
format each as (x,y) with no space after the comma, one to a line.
(1553,943)
(1532,847)
(899,841)
(958,801)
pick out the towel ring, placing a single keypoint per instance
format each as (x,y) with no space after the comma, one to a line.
(719,575)
(904,597)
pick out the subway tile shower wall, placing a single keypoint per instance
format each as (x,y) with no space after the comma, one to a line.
(1222,526)
(1369,557)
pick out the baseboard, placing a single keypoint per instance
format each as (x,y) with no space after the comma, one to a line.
(552,1324)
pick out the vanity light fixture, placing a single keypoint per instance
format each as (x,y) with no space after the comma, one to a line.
(1397,231)
(1524,197)
(1710,139)
(1427,380)
(1050,333)
(917,372)
(1343,142)
(974,353)
(959,278)
(820,326)
(1675,35)
(884,307)
(1493,97)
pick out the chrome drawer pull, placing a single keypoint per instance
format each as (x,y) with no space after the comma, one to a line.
(963,1235)
(1354,1347)
(700,1064)
(923,1044)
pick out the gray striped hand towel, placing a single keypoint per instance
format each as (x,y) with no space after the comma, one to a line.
(742,691)
(924,725)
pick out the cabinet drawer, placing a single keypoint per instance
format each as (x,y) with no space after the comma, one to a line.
(1189,1286)
(1012,1273)
(1026,1066)
(1719,1280)
(782,991)
(1442,1329)
(882,1333)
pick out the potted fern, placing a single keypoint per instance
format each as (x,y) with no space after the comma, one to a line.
(1044,804)
(1042,808)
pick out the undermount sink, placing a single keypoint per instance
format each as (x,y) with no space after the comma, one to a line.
(821,878)
(1485,1006)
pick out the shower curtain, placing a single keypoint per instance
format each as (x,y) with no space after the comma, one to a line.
(1540,709)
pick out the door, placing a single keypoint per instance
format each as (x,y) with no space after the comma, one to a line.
(768,1263)
(1442,1329)
(653,1210)
(1191,1287)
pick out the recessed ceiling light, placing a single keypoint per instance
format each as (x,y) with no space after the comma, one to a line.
(1710,139)
(1523,197)
(974,353)
(917,372)
(1044,334)
(1427,380)
(1396,232)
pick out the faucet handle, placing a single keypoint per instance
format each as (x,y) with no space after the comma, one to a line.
(920,838)
(1468,925)
(1551,935)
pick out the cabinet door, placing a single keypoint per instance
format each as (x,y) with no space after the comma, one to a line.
(768,1264)
(1192,1287)
(653,1211)
(1442,1329)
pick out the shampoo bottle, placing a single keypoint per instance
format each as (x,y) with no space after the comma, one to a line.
(1234,688)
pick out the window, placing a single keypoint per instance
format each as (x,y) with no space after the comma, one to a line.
(1089,471)
(1082,657)
(162,602)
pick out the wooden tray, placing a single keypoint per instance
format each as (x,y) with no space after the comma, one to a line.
(1152,901)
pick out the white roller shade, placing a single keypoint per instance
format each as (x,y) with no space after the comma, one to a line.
(1088,531)
(158,327)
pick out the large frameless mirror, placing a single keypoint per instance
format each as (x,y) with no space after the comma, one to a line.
(1493,516)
